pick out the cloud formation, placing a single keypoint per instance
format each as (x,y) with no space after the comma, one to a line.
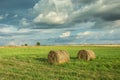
(65,34)
(59,21)
(56,12)
(68,12)
(1,17)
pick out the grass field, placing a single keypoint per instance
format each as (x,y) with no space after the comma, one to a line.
(30,63)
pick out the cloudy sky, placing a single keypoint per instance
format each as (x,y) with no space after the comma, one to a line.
(54,22)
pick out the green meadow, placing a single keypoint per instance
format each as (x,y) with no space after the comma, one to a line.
(30,63)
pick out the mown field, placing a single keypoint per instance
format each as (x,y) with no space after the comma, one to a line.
(30,63)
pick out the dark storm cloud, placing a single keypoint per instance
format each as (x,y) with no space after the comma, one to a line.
(5,35)
(109,16)
(83,1)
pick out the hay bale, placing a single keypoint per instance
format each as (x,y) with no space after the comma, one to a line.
(58,57)
(86,55)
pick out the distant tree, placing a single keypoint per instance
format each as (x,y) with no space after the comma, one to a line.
(38,44)
(25,44)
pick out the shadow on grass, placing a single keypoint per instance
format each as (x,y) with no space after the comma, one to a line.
(46,60)
(41,59)
(73,58)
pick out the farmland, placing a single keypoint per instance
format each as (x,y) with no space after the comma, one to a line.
(30,63)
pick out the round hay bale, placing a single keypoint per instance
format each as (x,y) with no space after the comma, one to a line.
(86,55)
(58,57)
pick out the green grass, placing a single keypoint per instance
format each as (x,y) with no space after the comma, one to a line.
(30,63)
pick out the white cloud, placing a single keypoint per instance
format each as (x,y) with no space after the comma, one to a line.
(112,31)
(110,35)
(65,34)
(51,18)
(24,22)
(116,23)
(1,37)
(99,9)
(70,12)
(7,28)
(24,30)
(55,12)
(47,31)
(13,43)
(1,17)
(6,15)
(53,5)
(15,16)
(4,28)
(86,33)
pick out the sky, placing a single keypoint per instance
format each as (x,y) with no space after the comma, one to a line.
(59,22)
